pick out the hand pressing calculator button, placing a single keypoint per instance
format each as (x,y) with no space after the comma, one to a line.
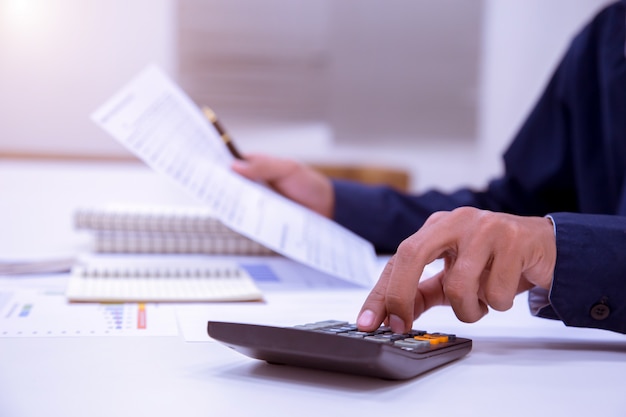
(338,346)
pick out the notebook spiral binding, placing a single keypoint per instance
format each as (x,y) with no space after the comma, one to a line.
(162,229)
(159,279)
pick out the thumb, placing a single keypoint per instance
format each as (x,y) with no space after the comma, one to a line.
(260,167)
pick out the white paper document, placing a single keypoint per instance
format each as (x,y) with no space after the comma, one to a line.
(47,313)
(158,122)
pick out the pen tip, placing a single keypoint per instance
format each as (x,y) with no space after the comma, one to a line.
(210,114)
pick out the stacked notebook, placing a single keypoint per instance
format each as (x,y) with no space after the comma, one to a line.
(128,262)
(146,278)
(162,230)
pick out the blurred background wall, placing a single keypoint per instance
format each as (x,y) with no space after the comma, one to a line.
(436,87)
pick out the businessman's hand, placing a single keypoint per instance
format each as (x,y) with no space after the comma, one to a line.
(489,258)
(295,181)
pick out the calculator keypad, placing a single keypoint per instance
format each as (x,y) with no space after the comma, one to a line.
(413,341)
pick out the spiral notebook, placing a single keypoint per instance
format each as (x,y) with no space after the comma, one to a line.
(147,218)
(122,228)
(159,279)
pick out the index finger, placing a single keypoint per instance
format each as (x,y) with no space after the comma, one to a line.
(373,311)
(402,300)
(439,237)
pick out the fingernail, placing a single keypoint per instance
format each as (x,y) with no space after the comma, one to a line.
(396,323)
(366,319)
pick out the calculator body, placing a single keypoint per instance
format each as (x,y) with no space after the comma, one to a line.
(320,349)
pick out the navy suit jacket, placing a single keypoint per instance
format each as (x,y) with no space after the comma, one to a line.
(567,161)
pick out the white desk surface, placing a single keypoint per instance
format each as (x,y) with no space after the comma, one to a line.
(519,365)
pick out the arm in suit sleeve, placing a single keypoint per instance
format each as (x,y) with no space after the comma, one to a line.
(568,160)
(538,179)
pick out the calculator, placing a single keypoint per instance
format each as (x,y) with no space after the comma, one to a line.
(338,346)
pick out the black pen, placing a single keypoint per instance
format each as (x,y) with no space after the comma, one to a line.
(228,141)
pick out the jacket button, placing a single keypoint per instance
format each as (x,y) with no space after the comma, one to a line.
(600,311)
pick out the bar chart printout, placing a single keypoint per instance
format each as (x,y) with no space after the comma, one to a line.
(39,313)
